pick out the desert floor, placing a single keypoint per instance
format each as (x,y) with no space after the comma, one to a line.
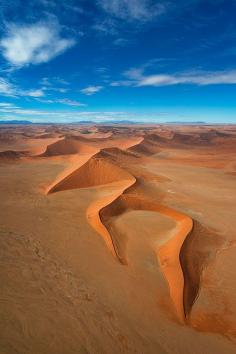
(117,239)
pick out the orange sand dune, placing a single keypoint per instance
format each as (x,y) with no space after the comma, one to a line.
(67,146)
(30,146)
(122,143)
(145,147)
(79,144)
(211,137)
(94,215)
(168,254)
(98,171)
(95,135)
(114,154)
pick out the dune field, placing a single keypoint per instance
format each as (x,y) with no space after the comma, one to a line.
(118,239)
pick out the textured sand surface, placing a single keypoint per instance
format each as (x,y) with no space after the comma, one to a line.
(117,239)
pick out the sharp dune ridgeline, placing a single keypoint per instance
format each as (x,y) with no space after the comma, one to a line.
(123,237)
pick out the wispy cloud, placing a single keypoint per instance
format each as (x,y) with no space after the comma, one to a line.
(13,112)
(9,111)
(64,101)
(71,102)
(137,78)
(91,90)
(121,42)
(7,105)
(6,88)
(107,26)
(33,44)
(52,84)
(133,10)
(35,93)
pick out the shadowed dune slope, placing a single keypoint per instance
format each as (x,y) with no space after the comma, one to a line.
(168,254)
(197,251)
(117,155)
(68,146)
(205,138)
(11,155)
(180,264)
(97,171)
(145,147)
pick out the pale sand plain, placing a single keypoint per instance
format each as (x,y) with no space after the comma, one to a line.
(118,239)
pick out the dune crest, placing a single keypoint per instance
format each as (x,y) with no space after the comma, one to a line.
(68,146)
(98,171)
(168,254)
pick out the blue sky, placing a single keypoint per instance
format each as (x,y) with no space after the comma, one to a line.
(142,60)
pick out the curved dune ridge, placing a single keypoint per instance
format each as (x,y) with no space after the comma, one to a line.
(71,144)
(95,219)
(68,146)
(168,254)
(99,170)
(145,147)
(96,171)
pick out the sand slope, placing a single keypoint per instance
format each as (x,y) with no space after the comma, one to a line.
(68,146)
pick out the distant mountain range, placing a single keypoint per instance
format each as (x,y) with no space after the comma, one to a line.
(107,122)
(186,123)
(90,122)
(18,122)
(83,122)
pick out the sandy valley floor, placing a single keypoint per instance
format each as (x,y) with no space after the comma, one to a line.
(117,239)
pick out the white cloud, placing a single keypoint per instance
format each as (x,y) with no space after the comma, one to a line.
(52,84)
(43,100)
(9,89)
(61,116)
(91,90)
(64,101)
(141,10)
(6,88)
(107,26)
(122,42)
(35,93)
(7,105)
(70,102)
(136,77)
(214,78)
(33,44)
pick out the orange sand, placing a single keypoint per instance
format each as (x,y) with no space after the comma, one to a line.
(76,279)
